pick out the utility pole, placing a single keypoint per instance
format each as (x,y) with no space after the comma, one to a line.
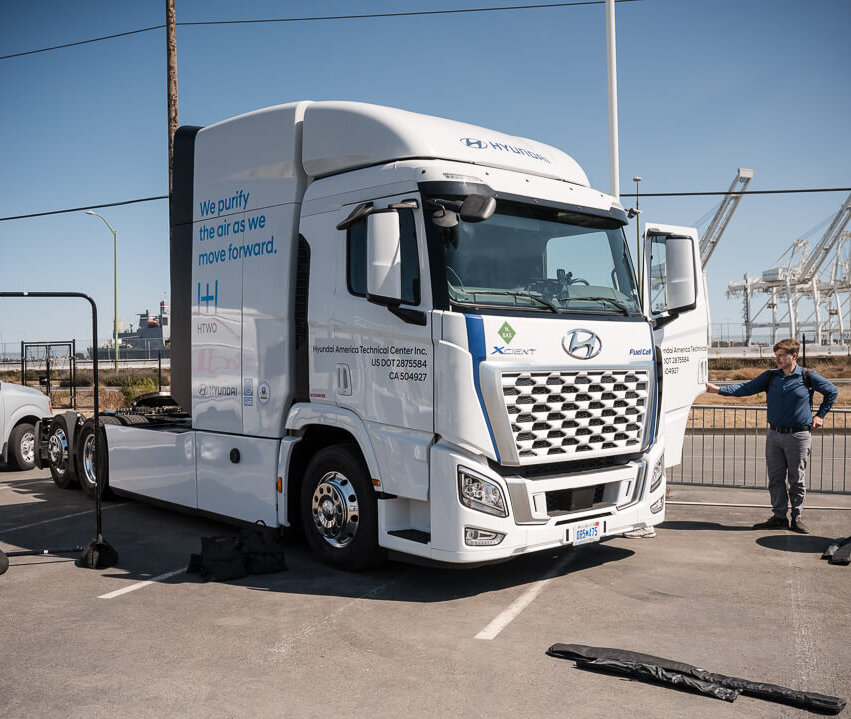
(171,50)
(611,56)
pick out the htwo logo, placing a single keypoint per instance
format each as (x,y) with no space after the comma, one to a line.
(208,298)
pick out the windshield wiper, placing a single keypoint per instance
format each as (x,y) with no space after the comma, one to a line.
(622,307)
(540,300)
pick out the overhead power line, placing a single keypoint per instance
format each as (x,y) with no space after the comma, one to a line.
(318,18)
(727,192)
(641,194)
(82,42)
(406,14)
(87,207)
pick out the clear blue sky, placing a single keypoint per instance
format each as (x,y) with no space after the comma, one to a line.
(704,88)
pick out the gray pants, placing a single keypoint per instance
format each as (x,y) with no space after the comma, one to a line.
(786,456)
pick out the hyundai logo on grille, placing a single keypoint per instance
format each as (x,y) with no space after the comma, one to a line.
(582,344)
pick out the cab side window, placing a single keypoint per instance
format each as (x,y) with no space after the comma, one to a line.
(356,258)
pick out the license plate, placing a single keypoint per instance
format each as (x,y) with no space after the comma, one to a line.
(587,532)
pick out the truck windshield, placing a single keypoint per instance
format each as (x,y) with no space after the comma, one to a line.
(538,259)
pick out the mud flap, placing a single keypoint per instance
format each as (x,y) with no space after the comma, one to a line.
(686,676)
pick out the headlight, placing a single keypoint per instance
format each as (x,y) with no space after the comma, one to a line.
(658,474)
(481,537)
(480,494)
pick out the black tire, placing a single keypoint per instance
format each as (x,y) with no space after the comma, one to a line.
(59,454)
(86,471)
(22,446)
(339,510)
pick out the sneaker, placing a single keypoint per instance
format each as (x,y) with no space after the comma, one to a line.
(643,533)
(772,523)
(796,524)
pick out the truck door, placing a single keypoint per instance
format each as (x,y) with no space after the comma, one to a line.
(675,300)
(384,353)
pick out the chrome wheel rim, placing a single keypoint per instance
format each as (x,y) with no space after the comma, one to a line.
(57,450)
(28,447)
(335,510)
(89,475)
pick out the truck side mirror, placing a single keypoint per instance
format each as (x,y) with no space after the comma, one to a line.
(681,280)
(383,258)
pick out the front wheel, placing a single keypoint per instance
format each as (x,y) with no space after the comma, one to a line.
(339,509)
(22,446)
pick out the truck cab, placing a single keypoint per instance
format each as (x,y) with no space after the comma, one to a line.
(415,335)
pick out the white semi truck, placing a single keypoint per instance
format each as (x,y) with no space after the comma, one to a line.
(409,334)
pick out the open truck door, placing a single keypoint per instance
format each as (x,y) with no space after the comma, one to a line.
(675,300)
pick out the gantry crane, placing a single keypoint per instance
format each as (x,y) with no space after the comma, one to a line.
(801,279)
(725,212)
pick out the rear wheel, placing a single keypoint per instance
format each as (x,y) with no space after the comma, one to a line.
(59,453)
(86,468)
(339,510)
(22,446)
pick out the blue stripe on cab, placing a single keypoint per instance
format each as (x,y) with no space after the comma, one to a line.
(478,352)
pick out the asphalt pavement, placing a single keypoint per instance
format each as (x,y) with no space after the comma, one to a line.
(145,639)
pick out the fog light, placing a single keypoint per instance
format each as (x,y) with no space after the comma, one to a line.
(481,537)
(658,474)
(657,506)
(480,494)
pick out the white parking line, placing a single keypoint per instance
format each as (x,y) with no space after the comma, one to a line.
(139,585)
(505,618)
(64,516)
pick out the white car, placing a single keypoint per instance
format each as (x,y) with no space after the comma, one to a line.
(20,408)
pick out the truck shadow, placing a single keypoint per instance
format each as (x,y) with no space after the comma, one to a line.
(401,582)
(152,541)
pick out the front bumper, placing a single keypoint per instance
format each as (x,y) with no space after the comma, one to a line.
(544,512)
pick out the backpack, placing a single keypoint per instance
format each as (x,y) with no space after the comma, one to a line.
(808,381)
(257,549)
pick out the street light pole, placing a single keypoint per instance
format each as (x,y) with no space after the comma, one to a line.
(636,180)
(115,287)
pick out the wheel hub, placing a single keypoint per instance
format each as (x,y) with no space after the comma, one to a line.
(28,447)
(335,510)
(57,448)
(89,461)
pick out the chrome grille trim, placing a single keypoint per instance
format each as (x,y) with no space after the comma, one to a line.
(570,414)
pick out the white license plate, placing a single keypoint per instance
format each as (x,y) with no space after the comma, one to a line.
(587,532)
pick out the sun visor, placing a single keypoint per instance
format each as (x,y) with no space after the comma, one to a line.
(340,136)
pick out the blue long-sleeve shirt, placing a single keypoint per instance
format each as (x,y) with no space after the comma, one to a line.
(787,397)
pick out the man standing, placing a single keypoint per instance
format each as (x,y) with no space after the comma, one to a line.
(790,423)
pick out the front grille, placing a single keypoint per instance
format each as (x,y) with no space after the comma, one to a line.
(568,414)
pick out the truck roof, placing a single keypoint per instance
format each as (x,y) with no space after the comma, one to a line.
(340,136)
(274,152)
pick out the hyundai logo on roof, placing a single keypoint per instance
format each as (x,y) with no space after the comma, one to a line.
(478,144)
(581,344)
(473,142)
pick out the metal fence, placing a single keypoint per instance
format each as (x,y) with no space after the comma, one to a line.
(724,446)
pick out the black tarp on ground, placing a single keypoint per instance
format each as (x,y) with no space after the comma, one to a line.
(689,677)
(839,551)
